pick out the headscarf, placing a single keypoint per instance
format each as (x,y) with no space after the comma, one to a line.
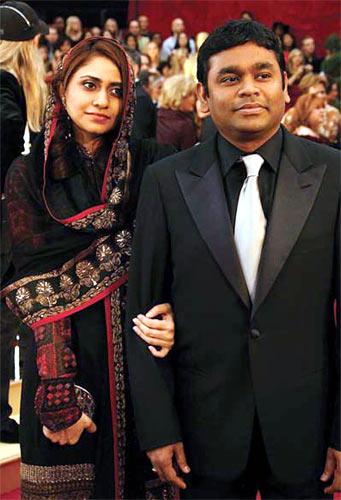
(66,264)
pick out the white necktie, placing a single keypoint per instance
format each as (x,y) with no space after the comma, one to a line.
(250,223)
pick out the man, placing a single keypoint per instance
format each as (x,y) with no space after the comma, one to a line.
(178,26)
(134,28)
(308,49)
(145,112)
(249,397)
(144,26)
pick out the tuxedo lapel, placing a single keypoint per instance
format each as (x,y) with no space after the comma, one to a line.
(297,186)
(204,195)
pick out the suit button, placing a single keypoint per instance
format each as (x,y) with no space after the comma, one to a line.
(255,334)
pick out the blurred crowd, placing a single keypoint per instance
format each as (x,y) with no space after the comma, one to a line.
(165,72)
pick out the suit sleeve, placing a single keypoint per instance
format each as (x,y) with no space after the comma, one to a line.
(151,379)
(335,441)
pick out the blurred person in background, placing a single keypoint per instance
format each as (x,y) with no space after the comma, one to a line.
(165,69)
(182,42)
(313,119)
(177,27)
(134,28)
(175,120)
(74,30)
(50,41)
(308,50)
(145,110)
(190,65)
(296,69)
(111,25)
(312,83)
(70,213)
(145,62)
(157,38)
(288,44)
(44,54)
(22,104)
(155,88)
(153,51)
(246,15)
(131,42)
(279,29)
(64,45)
(59,23)
(333,92)
(144,26)
(96,31)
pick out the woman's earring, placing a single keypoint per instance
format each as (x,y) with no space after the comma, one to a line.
(64,101)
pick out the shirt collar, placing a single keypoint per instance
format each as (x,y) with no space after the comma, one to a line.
(271,151)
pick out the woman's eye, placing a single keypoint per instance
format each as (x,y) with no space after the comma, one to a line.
(117,91)
(89,85)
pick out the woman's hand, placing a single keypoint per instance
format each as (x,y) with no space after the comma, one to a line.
(72,434)
(156,332)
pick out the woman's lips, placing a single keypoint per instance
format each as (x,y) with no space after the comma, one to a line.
(98,118)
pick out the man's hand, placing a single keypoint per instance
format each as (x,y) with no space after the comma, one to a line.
(72,434)
(162,460)
(332,468)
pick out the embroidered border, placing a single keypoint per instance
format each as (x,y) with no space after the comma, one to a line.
(57,482)
(74,284)
(116,323)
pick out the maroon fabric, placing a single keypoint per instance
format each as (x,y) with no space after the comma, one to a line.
(176,128)
(318,18)
(56,401)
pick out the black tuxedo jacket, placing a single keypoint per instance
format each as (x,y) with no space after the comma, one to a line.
(279,356)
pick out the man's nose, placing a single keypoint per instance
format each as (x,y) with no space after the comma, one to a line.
(248,88)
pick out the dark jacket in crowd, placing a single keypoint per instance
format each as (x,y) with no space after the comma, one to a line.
(13,121)
(144,116)
(175,127)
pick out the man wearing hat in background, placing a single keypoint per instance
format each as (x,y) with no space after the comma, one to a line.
(18,23)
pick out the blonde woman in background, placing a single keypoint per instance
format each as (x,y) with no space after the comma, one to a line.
(175,118)
(22,104)
(74,30)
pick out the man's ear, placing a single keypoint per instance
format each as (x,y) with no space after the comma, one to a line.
(286,93)
(203,106)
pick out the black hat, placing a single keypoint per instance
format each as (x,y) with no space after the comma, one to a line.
(19,22)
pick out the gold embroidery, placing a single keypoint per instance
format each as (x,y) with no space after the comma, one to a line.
(87,274)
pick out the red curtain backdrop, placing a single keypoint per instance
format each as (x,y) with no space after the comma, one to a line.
(318,18)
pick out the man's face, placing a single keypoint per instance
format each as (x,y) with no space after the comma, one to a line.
(246,97)
(134,28)
(308,46)
(178,26)
(144,23)
(52,35)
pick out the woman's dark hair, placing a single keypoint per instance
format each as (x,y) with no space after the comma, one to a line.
(294,44)
(62,148)
(130,35)
(177,43)
(232,34)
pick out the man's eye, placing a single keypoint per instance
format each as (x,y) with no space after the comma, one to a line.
(230,79)
(263,76)
(89,85)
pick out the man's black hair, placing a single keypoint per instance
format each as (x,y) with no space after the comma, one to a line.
(232,34)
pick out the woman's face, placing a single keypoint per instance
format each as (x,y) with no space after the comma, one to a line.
(297,60)
(93,98)
(288,41)
(152,50)
(183,40)
(131,42)
(111,25)
(315,118)
(96,31)
(188,103)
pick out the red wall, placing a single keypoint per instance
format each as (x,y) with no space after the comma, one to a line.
(318,18)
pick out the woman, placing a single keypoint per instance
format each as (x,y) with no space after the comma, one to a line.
(71,208)
(131,42)
(288,44)
(23,97)
(313,119)
(296,70)
(74,29)
(111,25)
(175,124)
(153,51)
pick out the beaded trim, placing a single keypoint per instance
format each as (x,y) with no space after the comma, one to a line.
(57,482)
